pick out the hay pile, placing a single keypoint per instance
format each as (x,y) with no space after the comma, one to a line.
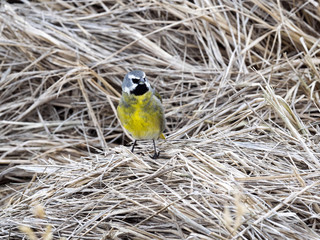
(240,83)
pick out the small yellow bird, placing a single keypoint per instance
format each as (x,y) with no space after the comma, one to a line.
(140,110)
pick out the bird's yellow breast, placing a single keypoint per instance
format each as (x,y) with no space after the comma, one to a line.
(142,116)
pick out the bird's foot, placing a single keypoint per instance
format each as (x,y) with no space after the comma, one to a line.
(155,155)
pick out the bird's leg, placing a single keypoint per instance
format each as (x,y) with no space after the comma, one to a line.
(156,154)
(135,141)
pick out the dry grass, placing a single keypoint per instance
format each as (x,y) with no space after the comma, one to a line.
(240,82)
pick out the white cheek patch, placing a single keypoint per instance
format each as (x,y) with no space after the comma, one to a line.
(127,90)
(148,85)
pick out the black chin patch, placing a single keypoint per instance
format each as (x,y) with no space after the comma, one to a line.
(140,90)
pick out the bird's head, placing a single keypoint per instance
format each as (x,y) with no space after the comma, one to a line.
(135,82)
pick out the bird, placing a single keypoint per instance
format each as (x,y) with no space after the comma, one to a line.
(140,110)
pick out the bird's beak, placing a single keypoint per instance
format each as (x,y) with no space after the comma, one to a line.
(141,81)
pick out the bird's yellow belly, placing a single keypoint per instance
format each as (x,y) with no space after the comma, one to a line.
(143,119)
(143,125)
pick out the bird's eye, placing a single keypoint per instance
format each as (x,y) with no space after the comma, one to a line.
(135,80)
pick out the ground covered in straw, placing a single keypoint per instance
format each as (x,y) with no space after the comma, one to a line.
(240,83)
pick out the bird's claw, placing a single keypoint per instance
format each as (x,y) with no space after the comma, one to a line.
(155,155)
